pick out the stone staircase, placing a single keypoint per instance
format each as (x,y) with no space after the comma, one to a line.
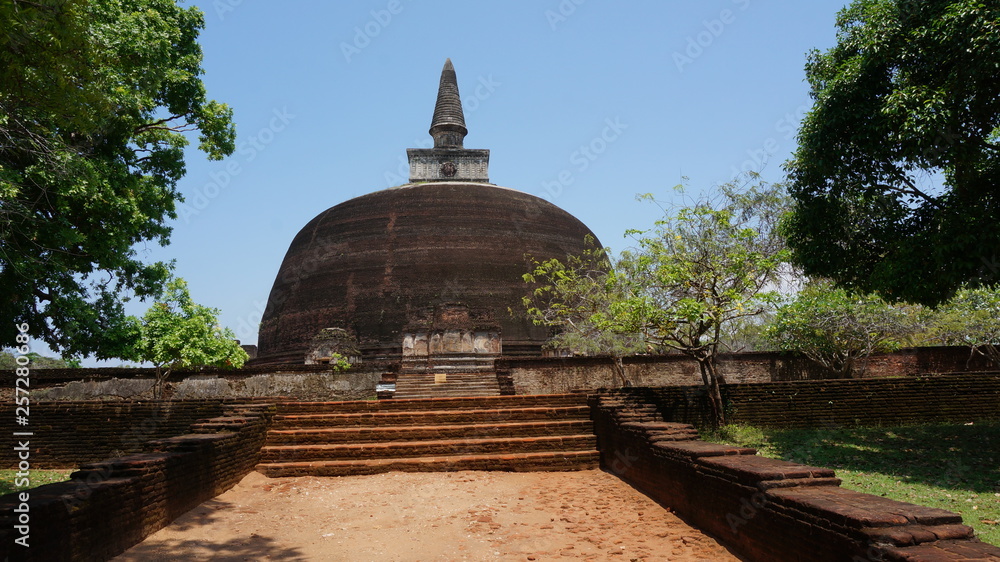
(446,385)
(504,433)
(448,363)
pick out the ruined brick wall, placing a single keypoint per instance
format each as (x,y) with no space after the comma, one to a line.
(53,376)
(765,509)
(68,434)
(112,505)
(302,382)
(557,375)
(564,374)
(957,398)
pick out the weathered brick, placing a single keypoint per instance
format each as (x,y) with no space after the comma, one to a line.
(766,509)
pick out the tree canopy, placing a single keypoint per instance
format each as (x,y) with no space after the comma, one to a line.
(705,266)
(839,330)
(701,268)
(582,298)
(96,100)
(896,179)
(971,318)
(176,332)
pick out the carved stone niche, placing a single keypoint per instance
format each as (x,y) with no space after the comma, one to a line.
(451,329)
(329,341)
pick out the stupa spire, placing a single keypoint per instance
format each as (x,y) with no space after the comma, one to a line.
(449,160)
(448,125)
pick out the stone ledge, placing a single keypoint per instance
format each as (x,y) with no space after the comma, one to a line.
(753,470)
(767,509)
(860,510)
(945,551)
(910,535)
(699,449)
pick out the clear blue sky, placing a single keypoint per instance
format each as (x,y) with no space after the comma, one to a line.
(328,96)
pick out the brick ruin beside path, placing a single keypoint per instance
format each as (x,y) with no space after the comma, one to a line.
(762,509)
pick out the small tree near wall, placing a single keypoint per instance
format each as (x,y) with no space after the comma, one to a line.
(705,267)
(581,297)
(176,333)
(701,269)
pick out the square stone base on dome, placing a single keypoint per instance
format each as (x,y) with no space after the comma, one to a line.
(448,164)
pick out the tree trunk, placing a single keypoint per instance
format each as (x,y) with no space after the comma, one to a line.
(161,379)
(991,352)
(710,378)
(619,368)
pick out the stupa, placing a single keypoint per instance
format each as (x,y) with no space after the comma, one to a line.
(432,268)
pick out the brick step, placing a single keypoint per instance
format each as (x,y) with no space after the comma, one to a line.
(446,393)
(449,378)
(440,368)
(524,462)
(402,433)
(450,374)
(430,385)
(448,385)
(401,382)
(439,364)
(495,389)
(431,381)
(432,404)
(431,417)
(410,449)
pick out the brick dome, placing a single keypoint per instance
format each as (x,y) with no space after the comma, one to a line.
(385,262)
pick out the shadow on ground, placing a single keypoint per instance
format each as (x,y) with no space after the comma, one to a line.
(960,457)
(254,547)
(238,549)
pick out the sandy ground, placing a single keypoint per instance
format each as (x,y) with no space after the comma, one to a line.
(588,515)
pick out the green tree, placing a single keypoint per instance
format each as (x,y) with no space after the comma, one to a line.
(701,269)
(176,333)
(8,361)
(580,298)
(97,99)
(839,330)
(896,176)
(704,268)
(971,318)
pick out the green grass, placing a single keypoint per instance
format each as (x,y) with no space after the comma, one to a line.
(953,467)
(38,478)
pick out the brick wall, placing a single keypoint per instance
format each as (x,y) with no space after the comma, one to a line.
(517,376)
(68,434)
(958,398)
(112,505)
(766,509)
(302,382)
(954,398)
(51,376)
(557,374)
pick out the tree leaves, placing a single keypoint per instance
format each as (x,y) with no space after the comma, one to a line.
(96,100)
(707,265)
(839,329)
(176,333)
(701,268)
(971,318)
(895,178)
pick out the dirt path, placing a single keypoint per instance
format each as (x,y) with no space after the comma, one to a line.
(588,515)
